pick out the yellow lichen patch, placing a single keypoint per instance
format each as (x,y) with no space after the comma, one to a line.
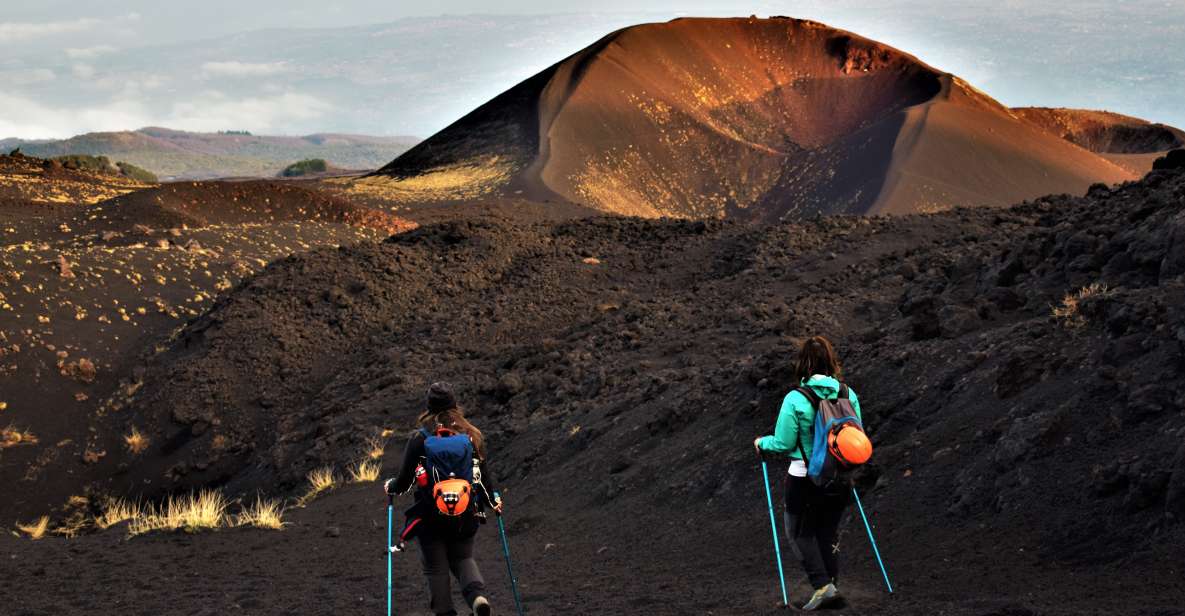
(38,189)
(460,181)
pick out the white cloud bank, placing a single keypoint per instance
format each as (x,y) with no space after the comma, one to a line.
(215,111)
(211,111)
(15,32)
(235,68)
(27,119)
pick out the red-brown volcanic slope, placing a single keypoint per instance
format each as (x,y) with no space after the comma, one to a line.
(1129,142)
(748,118)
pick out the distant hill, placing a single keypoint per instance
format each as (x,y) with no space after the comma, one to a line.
(172,154)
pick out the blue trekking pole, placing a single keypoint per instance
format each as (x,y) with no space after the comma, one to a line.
(873,541)
(390,550)
(769,499)
(518,604)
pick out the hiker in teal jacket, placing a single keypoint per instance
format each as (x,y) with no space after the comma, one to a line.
(797,417)
(812,514)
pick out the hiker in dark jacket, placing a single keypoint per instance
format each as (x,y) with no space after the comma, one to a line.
(812,513)
(446,543)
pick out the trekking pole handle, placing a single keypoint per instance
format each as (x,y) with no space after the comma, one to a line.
(497,499)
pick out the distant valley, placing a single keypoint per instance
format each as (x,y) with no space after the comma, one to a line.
(181,155)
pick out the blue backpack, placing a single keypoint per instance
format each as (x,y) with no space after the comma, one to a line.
(448,464)
(839,444)
(448,455)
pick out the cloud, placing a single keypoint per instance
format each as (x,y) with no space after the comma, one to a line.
(28,76)
(87,53)
(215,111)
(15,32)
(235,68)
(83,70)
(288,112)
(28,119)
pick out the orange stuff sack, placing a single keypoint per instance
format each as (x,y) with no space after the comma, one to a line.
(452,496)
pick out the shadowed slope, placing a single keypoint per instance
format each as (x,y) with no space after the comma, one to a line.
(748,118)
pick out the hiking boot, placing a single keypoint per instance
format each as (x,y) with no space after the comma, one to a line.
(821,596)
(481,607)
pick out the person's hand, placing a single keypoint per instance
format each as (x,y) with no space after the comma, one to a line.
(389,487)
(498,506)
(757,446)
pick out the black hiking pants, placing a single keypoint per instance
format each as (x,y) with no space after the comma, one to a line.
(812,524)
(442,556)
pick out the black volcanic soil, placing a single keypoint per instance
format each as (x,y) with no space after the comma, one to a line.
(1026,463)
(88,289)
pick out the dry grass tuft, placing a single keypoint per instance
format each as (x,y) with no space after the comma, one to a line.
(35,530)
(116,511)
(136,442)
(191,513)
(365,471)
(13,436)
(262,514)
(375,447)
(1068,314)
(320,480)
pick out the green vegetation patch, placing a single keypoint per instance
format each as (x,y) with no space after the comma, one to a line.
(102,164)
(305,167)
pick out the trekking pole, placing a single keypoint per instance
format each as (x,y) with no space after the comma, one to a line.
(873,541)
(518,604)
(390,551)
(769,499)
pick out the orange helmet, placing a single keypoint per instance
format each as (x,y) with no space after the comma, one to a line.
(849,445)
(451,496)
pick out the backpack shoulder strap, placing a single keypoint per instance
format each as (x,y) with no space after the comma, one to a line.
(813,399)
(809,394)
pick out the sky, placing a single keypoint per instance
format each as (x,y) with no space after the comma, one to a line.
(386,67)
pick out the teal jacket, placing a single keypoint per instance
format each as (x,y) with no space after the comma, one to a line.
(797,417)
